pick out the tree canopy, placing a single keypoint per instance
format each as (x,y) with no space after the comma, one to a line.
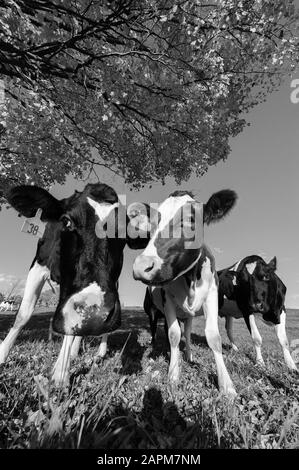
(148,89)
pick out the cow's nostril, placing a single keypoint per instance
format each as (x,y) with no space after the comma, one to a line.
(145,268)
(149,268)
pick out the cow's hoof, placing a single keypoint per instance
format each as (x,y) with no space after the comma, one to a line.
(229,392)
(98,359)
(101,354)
(260,363)
(60,382)
(173,378)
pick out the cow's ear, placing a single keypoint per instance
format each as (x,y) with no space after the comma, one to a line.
(273,264)
(219,205)
(140,223)
(28,199)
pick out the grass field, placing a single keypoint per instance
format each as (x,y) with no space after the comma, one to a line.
(126,402)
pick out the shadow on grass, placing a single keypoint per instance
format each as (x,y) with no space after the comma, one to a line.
(38,327)
(159,425)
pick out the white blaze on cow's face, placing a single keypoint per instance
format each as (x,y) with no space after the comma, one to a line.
(167,255)
(250,267)
(102,209)
(167,211)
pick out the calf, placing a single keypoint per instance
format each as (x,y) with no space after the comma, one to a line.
(251,287)
(87,265)
(182,279)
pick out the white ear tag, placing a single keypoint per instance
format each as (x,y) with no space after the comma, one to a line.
(34,226)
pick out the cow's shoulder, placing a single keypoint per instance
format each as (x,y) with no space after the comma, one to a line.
(227,287)
(206,256)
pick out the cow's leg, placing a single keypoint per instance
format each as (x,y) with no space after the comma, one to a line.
(153,319)
(282,337)
(166,331)
(174,336)
(101,352)
(229,331)
(210,308)
(187,334)
(76,346)
(256,338)
(60,374)
(34,284)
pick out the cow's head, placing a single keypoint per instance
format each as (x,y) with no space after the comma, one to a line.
(83,257)
(175,244)
(261,289)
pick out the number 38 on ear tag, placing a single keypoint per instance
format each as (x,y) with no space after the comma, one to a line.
(34,226)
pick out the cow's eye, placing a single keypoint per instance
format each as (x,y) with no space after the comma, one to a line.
(67,222)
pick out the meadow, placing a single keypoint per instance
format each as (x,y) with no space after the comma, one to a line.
(125,402)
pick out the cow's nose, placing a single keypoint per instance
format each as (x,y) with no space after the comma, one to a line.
(259,306)
(145,268)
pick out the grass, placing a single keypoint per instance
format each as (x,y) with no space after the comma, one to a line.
(125,401)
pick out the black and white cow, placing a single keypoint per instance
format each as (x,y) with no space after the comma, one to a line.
(251,287)
(87,266)
(182,280)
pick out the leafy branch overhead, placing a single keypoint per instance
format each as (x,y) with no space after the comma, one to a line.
(147,89)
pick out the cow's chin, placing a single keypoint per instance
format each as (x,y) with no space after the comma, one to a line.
(270,318)
(162,280)
(156,283)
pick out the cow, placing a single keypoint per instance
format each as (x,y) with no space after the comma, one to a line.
(79,253)
(251,287)
(7,305)
(184,279)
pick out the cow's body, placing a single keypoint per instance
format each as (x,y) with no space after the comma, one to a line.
(250,288)
(183,281)
(86,266)
(175,296)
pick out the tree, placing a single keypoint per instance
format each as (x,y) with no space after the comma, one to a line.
(147,89)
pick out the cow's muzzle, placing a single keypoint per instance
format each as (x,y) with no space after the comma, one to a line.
(259,307)
(146,268)
(88,314)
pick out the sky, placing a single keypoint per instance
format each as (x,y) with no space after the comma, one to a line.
(263,168)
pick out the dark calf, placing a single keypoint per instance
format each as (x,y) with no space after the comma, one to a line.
(251,287)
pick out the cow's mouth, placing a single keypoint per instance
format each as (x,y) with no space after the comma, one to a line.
(157,282)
